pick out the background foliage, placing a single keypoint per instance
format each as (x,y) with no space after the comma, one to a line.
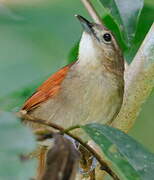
(35,40)
(17,141)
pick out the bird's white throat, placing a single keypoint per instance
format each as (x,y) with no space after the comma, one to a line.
(89,52)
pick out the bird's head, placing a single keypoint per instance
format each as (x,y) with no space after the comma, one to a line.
(98,46)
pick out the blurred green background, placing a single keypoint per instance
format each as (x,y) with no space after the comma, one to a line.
(35,40)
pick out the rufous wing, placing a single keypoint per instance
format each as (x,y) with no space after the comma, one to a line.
(47,90)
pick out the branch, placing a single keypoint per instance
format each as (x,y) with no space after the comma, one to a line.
(29,118)
(139,81)
(92,12)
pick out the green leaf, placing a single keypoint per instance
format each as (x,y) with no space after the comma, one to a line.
(126,15)
(16,140)
(73,54)
(128,158)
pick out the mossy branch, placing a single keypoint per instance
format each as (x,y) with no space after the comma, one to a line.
(139,82)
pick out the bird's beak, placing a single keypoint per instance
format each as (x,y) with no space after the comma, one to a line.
(87,26)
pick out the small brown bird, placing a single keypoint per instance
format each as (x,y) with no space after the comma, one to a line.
(88,90)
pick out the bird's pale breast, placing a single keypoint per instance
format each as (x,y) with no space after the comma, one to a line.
(85,97)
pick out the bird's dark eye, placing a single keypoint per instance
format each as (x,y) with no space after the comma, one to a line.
(107,37)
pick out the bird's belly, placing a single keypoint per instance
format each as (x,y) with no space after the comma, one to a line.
(81,105)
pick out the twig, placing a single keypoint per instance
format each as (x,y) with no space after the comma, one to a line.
(92,12)
(85,145)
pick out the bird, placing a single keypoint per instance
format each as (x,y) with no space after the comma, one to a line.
(89,90)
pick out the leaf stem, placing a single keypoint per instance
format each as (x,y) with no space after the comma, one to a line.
(105,166)
(71,128)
